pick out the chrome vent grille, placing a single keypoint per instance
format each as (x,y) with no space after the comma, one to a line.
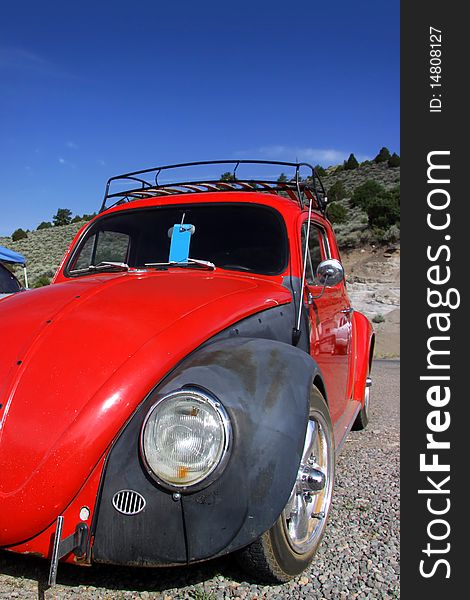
(128,502)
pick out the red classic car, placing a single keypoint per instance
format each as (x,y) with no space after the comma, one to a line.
(180,391)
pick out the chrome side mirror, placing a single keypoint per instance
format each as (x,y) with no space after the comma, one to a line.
(329,273)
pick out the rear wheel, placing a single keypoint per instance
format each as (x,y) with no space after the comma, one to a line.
(286,549)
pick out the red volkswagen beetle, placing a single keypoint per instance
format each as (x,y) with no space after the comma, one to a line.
(180,391)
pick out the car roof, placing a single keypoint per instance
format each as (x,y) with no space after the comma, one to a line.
(286,206)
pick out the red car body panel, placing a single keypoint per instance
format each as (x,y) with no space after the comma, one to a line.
(74,370)
(363,348)
(118,364)
(86,497)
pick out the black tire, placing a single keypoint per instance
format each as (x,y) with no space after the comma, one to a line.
(272,557)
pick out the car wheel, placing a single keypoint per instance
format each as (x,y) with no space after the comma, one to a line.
(287,549)
(362,418)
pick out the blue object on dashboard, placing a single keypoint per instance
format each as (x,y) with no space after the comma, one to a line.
(180,241)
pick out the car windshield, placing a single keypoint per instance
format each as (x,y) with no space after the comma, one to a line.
(239,237)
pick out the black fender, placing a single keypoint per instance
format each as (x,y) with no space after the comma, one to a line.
(264,386)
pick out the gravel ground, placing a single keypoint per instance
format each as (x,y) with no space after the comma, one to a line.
(358,558)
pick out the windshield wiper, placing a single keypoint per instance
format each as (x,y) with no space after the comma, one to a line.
(104,265)
(192,262)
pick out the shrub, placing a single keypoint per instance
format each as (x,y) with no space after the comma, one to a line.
(19,234)
(337,213)
(337,192)
(378,319)
(44,225)
(382,156)
(364,193)
(382,206)
(41,281)
(383,211)
(319,170)
(351,163)
(392,234)
(76,219)
(394,160)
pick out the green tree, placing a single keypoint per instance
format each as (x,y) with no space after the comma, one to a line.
(394,160)
(382,156)
(382,206)
(336,192)
(76,219)
(282,178)
(384,211)
(44,225)
(319,170)
(364,193)
(227,176)
(337,213)
(351,163)
(89,217)
(63,216)
(19,234)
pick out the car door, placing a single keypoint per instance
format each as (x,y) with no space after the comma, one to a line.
(330,321)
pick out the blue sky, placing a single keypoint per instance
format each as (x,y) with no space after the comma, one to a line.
(92,89)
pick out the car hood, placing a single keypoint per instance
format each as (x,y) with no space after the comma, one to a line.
(78,357)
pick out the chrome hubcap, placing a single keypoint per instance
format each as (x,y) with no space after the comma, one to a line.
(304,516)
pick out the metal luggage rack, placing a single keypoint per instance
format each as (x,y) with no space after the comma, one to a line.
(297,189)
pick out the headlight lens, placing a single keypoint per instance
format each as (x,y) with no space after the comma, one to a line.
(185,437)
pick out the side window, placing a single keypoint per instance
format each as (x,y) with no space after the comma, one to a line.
(110,246)
(317,250)
(84,258)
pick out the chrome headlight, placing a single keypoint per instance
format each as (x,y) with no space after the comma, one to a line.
(185,439)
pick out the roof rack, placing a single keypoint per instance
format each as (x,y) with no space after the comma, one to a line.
(298,189)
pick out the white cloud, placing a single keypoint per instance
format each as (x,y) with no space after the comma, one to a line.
(323,156)
(23,60)
(20,58)
(72,145)
(67,163)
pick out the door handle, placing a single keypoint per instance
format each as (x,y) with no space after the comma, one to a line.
(347,311)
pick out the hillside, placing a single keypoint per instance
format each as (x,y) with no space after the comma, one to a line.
(371,259)
(388,177)
(43,249)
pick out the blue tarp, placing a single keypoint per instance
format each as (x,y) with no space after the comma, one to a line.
(11,257)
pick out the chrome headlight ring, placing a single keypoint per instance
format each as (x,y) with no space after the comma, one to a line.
(185,440)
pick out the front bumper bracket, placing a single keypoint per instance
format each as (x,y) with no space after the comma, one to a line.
(75,543)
